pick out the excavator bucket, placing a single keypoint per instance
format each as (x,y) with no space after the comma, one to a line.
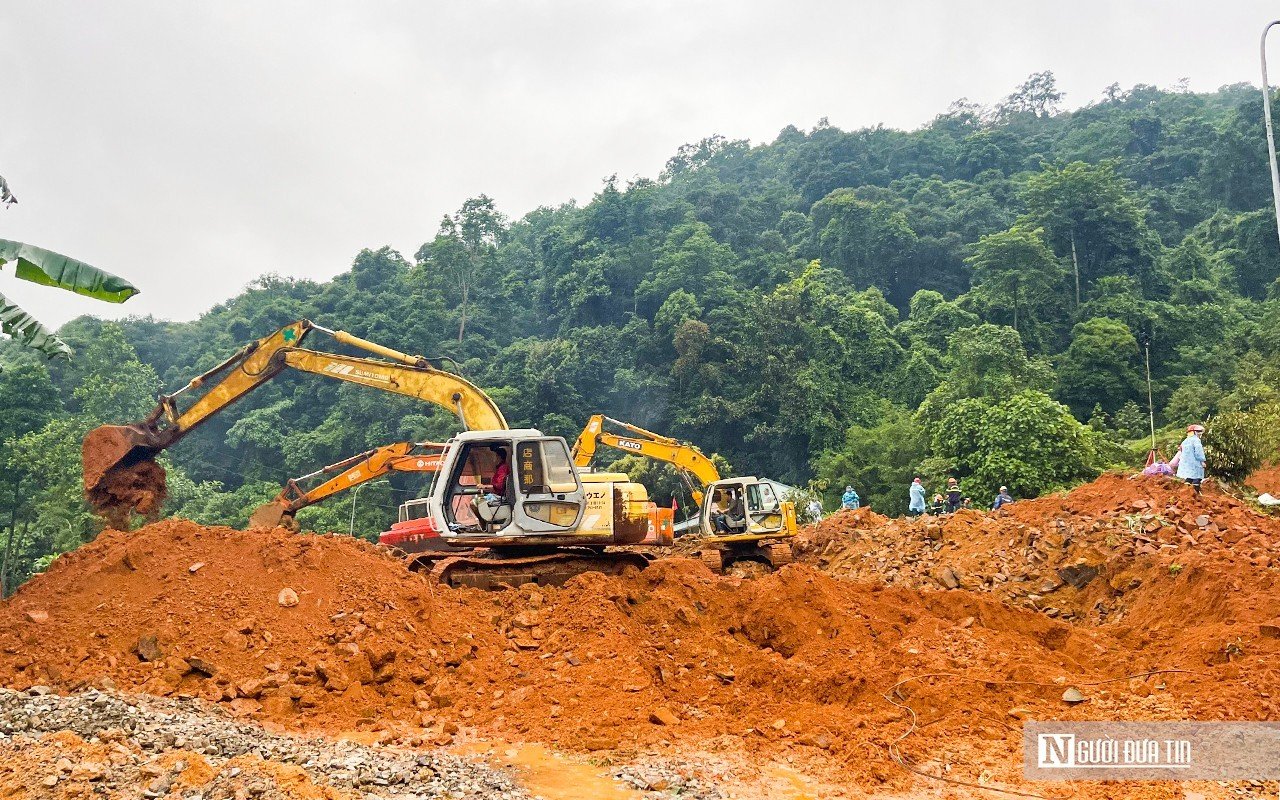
(272,515)
(121,475)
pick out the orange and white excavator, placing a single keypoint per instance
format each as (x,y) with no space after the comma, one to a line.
(741,519)
(346,474)
(544,524)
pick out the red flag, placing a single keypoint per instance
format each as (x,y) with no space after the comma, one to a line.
(675,505)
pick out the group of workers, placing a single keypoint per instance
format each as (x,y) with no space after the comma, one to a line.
(728,513)
(951,502)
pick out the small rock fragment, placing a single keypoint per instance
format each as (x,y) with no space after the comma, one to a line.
(203,667)
(148,649)
(287,597)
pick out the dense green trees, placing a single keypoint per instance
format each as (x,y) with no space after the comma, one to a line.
(839,306)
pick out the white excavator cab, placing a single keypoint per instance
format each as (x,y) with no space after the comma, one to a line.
(755,526)
(542,495)
(750,506)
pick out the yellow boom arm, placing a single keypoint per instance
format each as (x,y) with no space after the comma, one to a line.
(111,447)
(351,472)
(680,454)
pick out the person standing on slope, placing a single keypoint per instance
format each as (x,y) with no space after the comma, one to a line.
(850,500)
(954,495)
(815,510)
(1003,498)
(916,506)
(1191,457)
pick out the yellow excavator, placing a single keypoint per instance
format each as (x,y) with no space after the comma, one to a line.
(350,473)
(543,524)
(741,519)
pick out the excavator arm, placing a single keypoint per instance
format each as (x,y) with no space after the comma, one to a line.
(117,459)
(682,455)
(350,473)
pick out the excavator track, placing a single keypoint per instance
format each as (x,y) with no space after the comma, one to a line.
(778,553)
(550,569)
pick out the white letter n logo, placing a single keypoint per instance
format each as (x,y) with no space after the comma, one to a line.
(1057,750)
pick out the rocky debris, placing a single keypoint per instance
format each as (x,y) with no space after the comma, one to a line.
(287,597)
(791,665)
(148,649)
(159,744)
(663,716)
(1077,556)
(667,778)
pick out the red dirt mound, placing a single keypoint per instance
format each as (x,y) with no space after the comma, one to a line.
(1266,479)
(794,661)
(1144,555)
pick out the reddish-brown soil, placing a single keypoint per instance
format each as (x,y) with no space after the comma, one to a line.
(139,488)
(796,664)
(1266,479)
(1120,550)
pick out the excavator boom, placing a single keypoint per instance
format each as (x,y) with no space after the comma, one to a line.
(681,455)
(119,468)
(346,474)
(759,528)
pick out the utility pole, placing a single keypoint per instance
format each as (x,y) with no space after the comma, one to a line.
(1151,406)
(1266,115)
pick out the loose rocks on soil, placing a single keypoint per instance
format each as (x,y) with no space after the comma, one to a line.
(157,744)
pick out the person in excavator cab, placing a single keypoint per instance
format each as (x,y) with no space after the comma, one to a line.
(488,505)
(727,513)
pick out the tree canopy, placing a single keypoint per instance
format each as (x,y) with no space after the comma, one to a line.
(830,307)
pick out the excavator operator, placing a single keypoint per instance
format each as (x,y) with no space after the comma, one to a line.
(727,512)
(494,494)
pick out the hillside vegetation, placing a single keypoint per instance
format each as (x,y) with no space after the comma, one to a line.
(832,307)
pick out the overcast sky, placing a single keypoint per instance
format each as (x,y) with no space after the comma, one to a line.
(194,146)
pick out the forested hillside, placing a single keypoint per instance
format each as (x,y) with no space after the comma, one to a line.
(834,307)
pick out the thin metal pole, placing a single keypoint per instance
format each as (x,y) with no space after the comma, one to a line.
(1151,406)
(1266,114)
(351,531)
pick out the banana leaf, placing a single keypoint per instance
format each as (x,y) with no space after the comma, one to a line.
(27,329)
(48,268)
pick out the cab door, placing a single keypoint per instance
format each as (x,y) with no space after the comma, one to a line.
(548,493)
(764,512)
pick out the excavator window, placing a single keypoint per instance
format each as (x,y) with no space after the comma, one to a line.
(559,469)
(760,498)
(475,466)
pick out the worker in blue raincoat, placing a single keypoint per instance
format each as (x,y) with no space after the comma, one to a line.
(1191,460)
(849,500)
(916,505)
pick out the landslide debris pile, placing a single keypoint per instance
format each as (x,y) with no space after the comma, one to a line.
(1145,553)
(330,633)
(99,743)
(794,659)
